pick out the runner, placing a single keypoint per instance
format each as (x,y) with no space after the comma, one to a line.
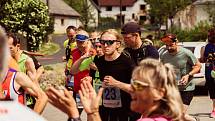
(69,45)
(185,65)
(114,66)
(13,82)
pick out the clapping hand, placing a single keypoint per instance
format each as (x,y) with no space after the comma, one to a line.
(89,98)
(63,100)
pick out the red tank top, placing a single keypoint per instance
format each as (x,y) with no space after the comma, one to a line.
(9,90)
(76,54)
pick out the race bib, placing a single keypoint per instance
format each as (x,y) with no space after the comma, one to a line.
(112,98)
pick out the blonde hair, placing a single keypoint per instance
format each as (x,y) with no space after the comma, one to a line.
(5,54)
(118,37)
(161,76)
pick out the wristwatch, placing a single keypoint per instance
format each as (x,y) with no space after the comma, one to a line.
(74,119)
(190,75)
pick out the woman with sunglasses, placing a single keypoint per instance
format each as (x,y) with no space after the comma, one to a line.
(154,92)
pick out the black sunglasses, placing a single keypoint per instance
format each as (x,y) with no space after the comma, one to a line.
(108,42)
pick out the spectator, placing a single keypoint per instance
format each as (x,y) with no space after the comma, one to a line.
(209,59)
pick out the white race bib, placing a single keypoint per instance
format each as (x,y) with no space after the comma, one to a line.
(112,97)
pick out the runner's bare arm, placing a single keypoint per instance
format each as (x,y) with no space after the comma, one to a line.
(41,99)
(110,81)
(77,64)
(31,71)
(195,69)
(39,72)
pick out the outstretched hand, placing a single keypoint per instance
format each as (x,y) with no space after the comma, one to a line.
(63,100)
(89,99)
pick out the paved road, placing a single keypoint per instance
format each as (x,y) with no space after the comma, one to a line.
(56,58)
(200,106)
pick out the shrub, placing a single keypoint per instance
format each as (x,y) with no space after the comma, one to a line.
(198,33)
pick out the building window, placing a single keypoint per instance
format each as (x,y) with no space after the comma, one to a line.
(142,7)
(142,18)
(62,22)
(109,8)
(123,8)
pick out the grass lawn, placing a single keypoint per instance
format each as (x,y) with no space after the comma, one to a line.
(49,48)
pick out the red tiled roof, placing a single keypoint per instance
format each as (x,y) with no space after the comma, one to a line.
(116,2)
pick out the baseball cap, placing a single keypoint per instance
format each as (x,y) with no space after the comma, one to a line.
(169,39)
(130,27)
(81,37)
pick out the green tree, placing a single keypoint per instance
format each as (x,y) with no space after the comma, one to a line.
(210,8)
(162,10)
(84,9)
(28,17)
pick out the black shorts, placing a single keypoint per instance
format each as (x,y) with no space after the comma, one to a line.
(210,84)
(186,97)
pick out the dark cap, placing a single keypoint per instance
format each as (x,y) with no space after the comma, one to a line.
(130,27)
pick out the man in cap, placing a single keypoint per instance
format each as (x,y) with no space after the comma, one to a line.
(134,46)
(185,65)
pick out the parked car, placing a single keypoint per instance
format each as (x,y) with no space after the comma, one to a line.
(195,47)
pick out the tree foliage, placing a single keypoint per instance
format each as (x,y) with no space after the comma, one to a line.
(84,8)
(197,33)
(210,9)
(161,10)
(28,17)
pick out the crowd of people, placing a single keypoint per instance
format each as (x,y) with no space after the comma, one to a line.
(117,76)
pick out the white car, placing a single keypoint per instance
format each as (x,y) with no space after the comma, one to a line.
(195,47)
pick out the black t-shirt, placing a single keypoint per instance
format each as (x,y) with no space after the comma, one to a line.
(120,69)
(145,51)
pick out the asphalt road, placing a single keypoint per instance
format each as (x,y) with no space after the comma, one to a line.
(56,58)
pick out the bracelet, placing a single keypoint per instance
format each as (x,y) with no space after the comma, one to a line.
(74,119)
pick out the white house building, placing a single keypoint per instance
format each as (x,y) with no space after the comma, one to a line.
(95,11)
(193,14)
(131,10)
(63,14)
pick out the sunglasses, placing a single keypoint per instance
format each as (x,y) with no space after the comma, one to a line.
(93,39)
(108,42)
(138,85)
(97,46)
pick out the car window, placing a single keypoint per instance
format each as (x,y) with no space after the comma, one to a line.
(190,48)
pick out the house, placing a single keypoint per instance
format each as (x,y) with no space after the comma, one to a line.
(193,14)
(95,11)
(131,10)
(63,15)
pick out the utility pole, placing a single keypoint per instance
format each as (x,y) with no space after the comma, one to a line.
(120,13)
